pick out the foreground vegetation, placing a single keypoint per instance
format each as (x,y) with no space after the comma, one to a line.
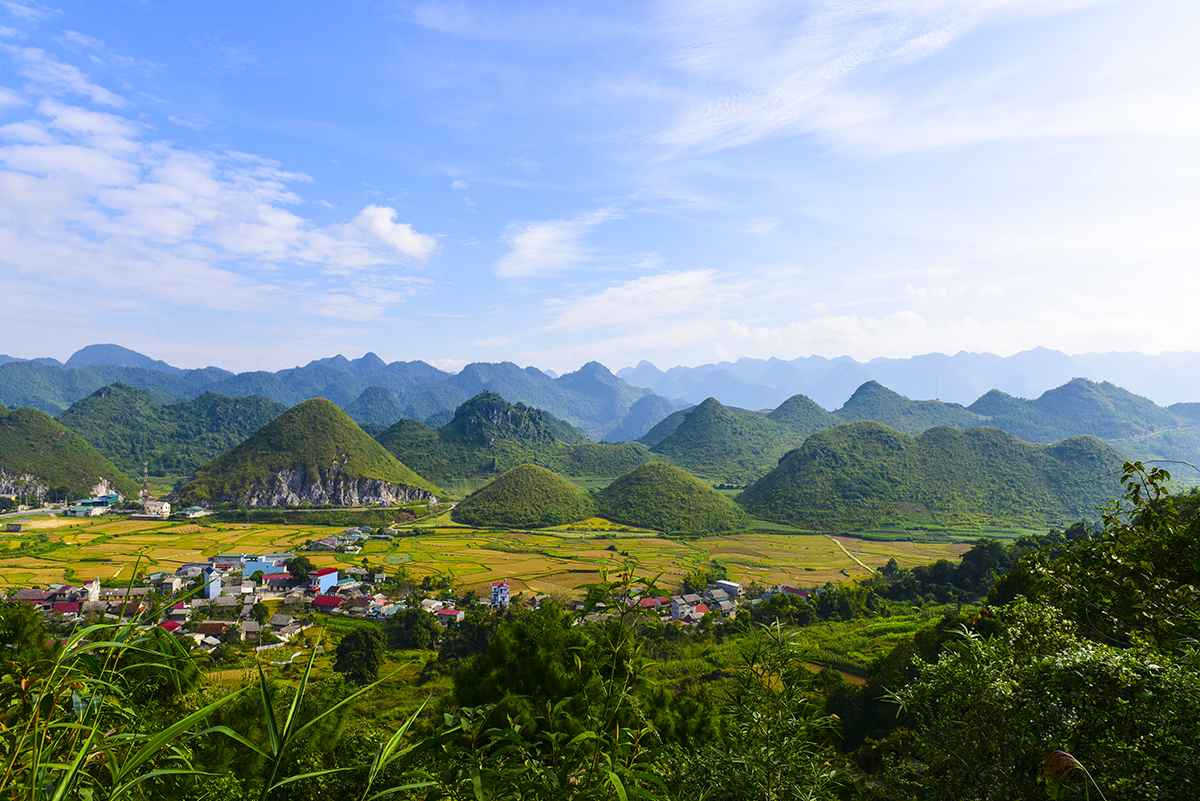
(1079,677)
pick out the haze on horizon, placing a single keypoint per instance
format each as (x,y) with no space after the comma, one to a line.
(258,186)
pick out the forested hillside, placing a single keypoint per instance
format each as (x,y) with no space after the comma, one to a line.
(865,474)
(41,458)
(133,427)
(488,436)
(525,497)
(734,446)
(664,498)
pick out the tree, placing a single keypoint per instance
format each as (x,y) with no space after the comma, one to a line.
(413,629)
(991,710)
(260,613)
(360,655)
(300,567)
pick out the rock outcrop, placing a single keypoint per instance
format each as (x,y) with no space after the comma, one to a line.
(297,486)
(18,485)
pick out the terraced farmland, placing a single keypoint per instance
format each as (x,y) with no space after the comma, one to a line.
(558,562)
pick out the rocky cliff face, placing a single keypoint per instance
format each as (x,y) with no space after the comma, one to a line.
(293,487)
(21,484)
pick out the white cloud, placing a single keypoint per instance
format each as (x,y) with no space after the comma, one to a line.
(378,223)
(56,76)
(634,303)
(528,165)
(459,185)
(549,246)
(87,201)
(449,365)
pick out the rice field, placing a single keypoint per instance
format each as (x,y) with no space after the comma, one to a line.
(558,562)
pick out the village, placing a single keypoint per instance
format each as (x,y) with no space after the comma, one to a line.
(230,597)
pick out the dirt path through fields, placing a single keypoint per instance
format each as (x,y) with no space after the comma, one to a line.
(861,564)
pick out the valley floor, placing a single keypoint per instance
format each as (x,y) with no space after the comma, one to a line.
(556,562)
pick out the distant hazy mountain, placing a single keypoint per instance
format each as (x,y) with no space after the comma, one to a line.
(591,398)
(762,383)
(117,356)
(646,412)
(375,405)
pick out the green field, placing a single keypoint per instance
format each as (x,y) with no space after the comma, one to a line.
(557,562)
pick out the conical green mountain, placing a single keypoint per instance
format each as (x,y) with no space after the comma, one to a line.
(873,401)
(488,436)
(802,415)
(41,457)
(727,445)
(312,453)
(866,475)
(664,497)
(525,497)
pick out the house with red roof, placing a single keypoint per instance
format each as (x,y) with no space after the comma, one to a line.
(321,581)
(448,616)
(327,603)
(500,593)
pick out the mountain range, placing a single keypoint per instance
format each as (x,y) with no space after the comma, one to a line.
(376,393)
(765,383)
(621,407)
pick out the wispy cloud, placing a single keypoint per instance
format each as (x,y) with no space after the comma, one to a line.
(61,78)
(634,303)
(28,11)
(549,246)
(755,70)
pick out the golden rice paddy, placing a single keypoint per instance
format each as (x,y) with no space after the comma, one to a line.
(554,562)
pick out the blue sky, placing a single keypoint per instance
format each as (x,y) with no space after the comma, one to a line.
(255,185)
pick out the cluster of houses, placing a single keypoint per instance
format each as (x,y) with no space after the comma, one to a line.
(349,541)
(151,509)
(93,507)
(721,598)
(447,613)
